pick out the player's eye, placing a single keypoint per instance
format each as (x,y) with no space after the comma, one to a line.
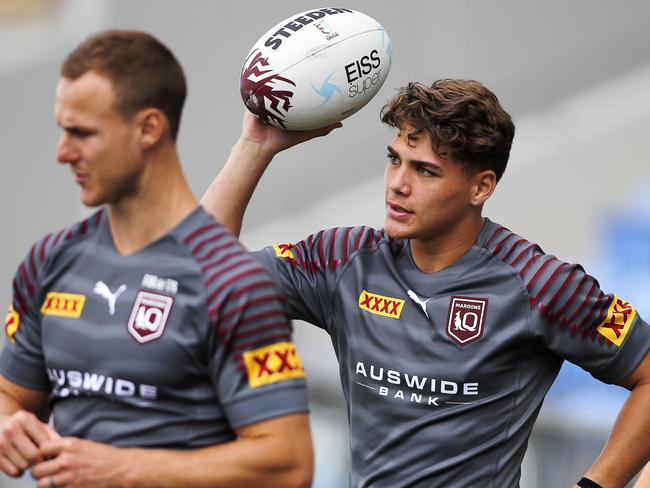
(424,171)
(392,158)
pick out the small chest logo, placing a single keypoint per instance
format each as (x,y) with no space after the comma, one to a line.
(105,292)
(149,316)
(381,305)
(466,319)
(63,304)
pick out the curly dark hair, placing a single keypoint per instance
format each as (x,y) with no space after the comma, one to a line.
(460,114)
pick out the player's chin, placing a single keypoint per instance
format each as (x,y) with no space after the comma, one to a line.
(397,230)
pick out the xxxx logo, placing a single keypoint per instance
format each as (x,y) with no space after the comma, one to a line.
(12,323)
(269,364)
(283,250)
(381,305)
(618,321)
(63,304)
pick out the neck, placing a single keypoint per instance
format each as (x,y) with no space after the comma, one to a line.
(162,200)
(436,253)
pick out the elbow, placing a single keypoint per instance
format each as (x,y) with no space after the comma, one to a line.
(299,478)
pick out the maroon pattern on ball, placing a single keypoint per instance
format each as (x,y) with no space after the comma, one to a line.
(255,91)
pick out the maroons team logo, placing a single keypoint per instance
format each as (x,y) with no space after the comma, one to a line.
(149,316)
(270,364)
(466,319)
(12,323)
(618,321)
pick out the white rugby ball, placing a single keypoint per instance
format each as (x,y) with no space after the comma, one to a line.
(315,68)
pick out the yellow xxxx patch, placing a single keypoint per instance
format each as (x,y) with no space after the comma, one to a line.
(283,250)
(618,321)
(63,304)
(12,323)
(269,364)
(381,305)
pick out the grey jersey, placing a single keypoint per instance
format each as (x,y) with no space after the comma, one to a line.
(173,346)
(445,373)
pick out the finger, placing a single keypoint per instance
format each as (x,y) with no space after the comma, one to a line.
(51,433)
(47,468)
(33,427)
(56,481)
(14,446)
(52,448)
(8,468)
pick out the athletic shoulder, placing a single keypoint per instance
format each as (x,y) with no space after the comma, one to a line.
(47,249)
(331,249)
(234,282)
(560,292)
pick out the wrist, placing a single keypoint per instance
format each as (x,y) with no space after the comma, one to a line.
(255,149)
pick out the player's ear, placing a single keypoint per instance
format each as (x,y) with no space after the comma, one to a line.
(484,183)
(152,124)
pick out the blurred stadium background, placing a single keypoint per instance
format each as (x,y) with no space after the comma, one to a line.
(574,75)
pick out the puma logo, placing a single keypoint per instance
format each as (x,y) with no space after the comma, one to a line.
(416,299)
(104,291)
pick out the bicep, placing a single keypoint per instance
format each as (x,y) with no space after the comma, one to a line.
(14,397)
(640,376)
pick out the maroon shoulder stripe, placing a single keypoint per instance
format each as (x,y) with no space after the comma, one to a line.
(357,242)
(262,328)
(214,238)
(512,248)
(221,271)
(502,242)
(494,234)
(571,299)
(250,304)
(212,312)
(43,247)
(550,279)
(345,244)
(223,259)
(216,249)
(576,314)
(26,279)
(200,231)
(232,280)
(333,260)
(321,249)
(261,342)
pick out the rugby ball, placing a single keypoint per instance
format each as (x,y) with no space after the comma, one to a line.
(315,68)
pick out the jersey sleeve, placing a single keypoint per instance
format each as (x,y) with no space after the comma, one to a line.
(307,272)
(602,333)
(22,359)
(253,361)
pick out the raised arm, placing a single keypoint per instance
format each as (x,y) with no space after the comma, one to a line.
(272,453)
(228,195)
(628,447)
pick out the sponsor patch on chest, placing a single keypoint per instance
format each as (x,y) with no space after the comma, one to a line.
(149,316)
(381,305)
(466,319)
(63,304)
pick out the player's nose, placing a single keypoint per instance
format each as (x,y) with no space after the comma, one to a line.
(397,180)
(65,150)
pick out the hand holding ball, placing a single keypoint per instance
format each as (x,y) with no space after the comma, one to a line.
(315,68)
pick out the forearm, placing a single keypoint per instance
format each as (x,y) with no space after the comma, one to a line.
(241,463)
(228,195)
(628,447)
